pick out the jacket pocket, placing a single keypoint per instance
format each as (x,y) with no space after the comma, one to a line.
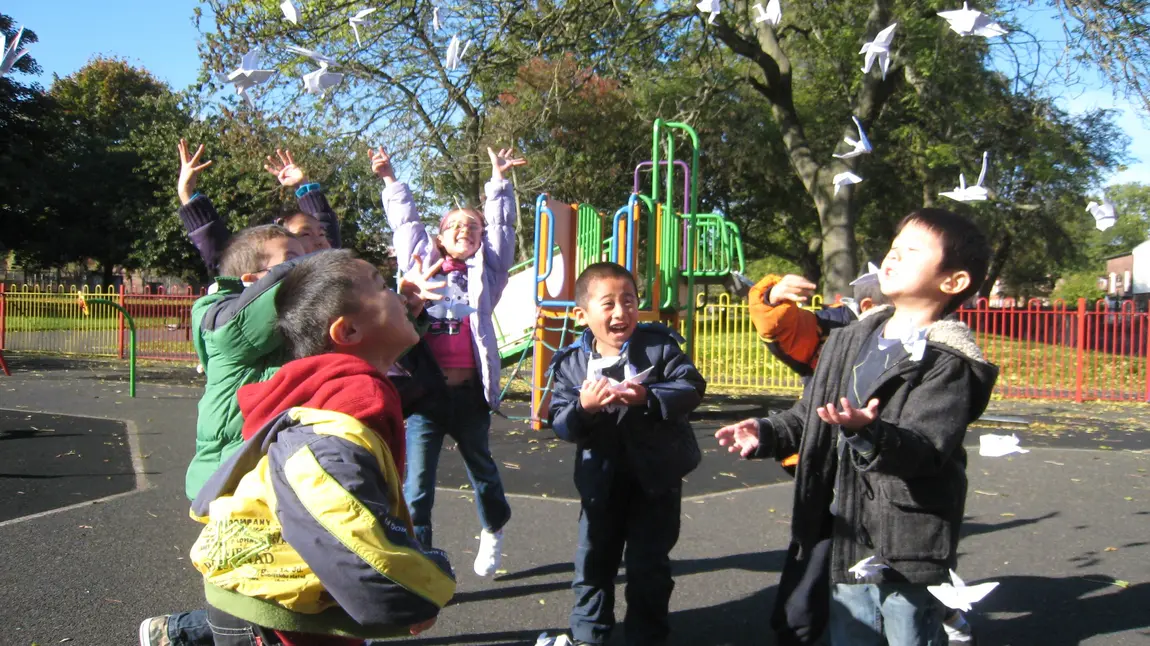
(916,522)
(662,455)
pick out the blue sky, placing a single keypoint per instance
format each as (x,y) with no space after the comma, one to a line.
(160,35)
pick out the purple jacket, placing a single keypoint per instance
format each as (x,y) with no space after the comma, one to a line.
(209,232)
(487,271)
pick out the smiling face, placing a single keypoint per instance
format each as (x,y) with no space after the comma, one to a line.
(611,310)
(461,233)
(308,231)
(912,271)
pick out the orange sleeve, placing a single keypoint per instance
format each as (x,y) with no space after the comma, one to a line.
(790,330)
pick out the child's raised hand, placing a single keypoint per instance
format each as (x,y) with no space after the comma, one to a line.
(631,394)
(381,165)
(795,289)
(596,395)
(190,170)
(503,161)
(850,418)
(417,286)
(286,171)
(742,437)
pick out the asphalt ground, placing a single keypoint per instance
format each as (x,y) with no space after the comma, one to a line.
(1063,528)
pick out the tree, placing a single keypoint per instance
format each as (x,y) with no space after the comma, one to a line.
(1114,36)
(97,198)
(1132,228)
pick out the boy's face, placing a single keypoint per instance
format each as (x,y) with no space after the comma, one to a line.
(277,251)
(380,329)
(461,235)
(308,231)
(912,268)
(611,311)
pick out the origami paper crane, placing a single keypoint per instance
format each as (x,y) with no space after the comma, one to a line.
(964,193)
(1104,215)
(248,76)
(772,14)
(845,179)
(971,22)
(878,49)
(860,147)
(958,595)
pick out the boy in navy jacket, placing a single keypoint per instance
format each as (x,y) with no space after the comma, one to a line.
(622,394)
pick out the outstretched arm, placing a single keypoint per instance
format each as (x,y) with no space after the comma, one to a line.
(312,199)
(499,213)
(203,225)
(409,235)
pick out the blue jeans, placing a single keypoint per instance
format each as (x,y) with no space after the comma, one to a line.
(899,614)
(465,416)
(639,529)
(190,629)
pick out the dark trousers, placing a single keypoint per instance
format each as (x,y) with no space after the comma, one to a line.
(233,631)
(640,529)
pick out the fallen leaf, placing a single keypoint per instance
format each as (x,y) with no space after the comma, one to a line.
(1128,498)
(466,486)
(542,602)
(724,473)
(1075,480)
(1007,515)
(500,572)
(1060,464)
(1110,549)
(66,639)
(985,493)
(511,465)
(770,511)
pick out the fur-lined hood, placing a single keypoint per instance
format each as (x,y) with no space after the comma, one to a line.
(953,334)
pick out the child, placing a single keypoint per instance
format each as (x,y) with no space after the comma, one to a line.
(634,445)
(450,380)
(885,476)
(315,226)
(308,540)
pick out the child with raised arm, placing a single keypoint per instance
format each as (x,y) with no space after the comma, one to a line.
(622,394)
(315,225)
(450,380)
(308,540)
(879,431)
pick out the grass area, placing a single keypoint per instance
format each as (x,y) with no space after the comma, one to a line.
(54,323)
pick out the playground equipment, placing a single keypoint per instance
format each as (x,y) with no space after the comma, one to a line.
(85,302)
(669,247)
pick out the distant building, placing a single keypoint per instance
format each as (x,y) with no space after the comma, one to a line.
(1119,277)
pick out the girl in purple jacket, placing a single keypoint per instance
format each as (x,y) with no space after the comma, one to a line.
(450,380)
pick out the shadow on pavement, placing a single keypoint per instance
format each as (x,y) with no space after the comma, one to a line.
(974,529)
(1073,608)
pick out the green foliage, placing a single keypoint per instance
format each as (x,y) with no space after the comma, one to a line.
(1080,285)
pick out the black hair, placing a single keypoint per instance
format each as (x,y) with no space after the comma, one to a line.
(964,248)
(317,291)
(597,272)
(245,251)
(872,290)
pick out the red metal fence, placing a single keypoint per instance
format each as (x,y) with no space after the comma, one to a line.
(1079,352)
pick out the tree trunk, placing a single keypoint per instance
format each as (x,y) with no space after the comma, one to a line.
(997,263)
(107,266)
(836,217)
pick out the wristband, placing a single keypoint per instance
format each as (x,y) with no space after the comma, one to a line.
(307,188)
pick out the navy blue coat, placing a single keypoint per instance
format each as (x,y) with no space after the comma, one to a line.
(655,443)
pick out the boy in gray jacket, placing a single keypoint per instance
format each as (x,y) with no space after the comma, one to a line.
(879,431)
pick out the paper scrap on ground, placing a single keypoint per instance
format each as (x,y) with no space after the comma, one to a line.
(964,193)
(878,49)
(1104,214)
(859,147)
(845,179)
(996,446)
(359,19)
(958,595)
(290,11)
(971,22)
(865,568)
(711,7)
(772,14)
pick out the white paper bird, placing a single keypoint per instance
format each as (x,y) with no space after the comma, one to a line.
(290,11)
(711,7)
(971,22)
(996,446)
(315,56)
(860,147)
(10,53)
(435,18)
(865,568)
(845,179)
(453,56)
(453,305)
(964,193)
(547,640)
(870,276)
(463,52)
(879,48)
(772,14)
(914,342)
(248,75)
(958,595)
(320,80)
(1104,215)
(359,19)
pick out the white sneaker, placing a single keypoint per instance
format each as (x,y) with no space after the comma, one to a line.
(957,630)
(490,554)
